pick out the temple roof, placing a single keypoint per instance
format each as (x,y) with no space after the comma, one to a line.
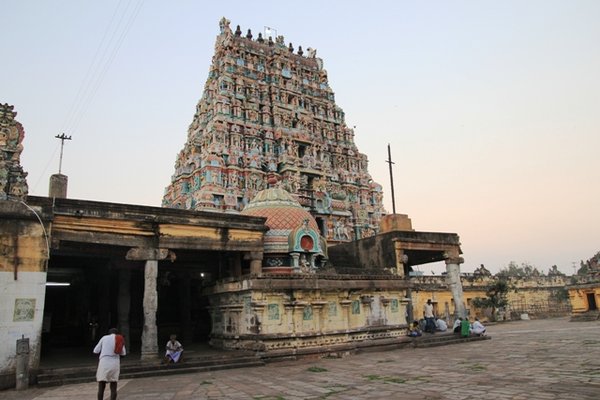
(282,211)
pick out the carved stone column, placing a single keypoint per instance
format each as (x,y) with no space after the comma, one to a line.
(124,305)
(346,310)
(317,307)
(453,278)
(255,258)
(150,331)
(150,302)
(295,262)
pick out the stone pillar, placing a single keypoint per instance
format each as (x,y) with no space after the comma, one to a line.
(150,332)
(401,261)
(289,315)
(317,307)
(255,258)
(124,305)
(295,262)
(150,302)
(453,279)
(346,310)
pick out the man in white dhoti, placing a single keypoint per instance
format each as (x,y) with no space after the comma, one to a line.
(174,350)
(110,347)
(477,328)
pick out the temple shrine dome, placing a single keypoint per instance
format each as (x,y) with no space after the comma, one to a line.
(281,210)
(293,243)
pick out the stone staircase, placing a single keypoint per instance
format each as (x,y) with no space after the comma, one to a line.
(64,376)
(87,373)
(444,340)
(586,316)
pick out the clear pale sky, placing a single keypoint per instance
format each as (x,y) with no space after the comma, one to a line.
(492,108)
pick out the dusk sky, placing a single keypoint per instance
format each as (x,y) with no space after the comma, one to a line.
(491,108)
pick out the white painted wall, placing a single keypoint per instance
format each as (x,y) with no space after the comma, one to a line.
(29,285)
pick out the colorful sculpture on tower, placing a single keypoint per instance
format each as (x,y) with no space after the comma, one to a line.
(13,185)
(268,111)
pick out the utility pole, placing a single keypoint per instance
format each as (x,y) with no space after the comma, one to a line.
(62,138)
(389,161)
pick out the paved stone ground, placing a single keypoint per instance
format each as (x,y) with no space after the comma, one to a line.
(543,359)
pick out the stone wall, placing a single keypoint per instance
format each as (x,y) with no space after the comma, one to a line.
(23,257)
(250,315)
(536,296)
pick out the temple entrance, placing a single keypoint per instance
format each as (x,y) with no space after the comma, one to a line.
(84,295)
(591,298)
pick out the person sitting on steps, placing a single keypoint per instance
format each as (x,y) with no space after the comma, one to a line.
(174,350)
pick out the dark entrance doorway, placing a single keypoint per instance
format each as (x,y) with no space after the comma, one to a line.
(591,298)
(84,292)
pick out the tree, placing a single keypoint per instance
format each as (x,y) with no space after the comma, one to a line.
(496,297)
(553,271)
(514,270)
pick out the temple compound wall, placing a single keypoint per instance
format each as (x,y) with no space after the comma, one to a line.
(268,110)
(539,297)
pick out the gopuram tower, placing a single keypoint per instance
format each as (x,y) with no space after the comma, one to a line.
(268,117)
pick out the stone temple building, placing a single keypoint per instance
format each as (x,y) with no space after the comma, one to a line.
(268,110)
(274,238)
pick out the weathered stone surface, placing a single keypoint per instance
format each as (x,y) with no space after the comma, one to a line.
(268,115)
(13,185)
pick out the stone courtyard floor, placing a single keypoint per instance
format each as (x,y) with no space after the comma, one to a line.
(540,359)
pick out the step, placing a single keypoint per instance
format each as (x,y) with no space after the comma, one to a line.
(88,374)
(448,340)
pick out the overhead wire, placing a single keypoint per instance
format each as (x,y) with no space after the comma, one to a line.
(87,79)
(120,33)
(119,25)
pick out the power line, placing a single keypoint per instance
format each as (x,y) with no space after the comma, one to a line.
(104,56)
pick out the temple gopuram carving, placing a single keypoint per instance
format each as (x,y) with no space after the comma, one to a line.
(13,185)
(268,112)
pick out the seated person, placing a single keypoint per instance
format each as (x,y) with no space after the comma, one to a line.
(441,325)
(174,350)
(477,328)
(414,330)
(456,326)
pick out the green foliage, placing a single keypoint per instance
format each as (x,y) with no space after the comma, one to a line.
(496,297)
(553,271)
(514,270)
(316,369)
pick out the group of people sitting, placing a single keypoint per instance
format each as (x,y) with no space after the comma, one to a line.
(431,324)
(461,326)
(464,327)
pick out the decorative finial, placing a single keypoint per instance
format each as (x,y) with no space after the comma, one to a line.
(291,48)
(238,31)
(260,38)
(300,52)
(271,41)
(249,34)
